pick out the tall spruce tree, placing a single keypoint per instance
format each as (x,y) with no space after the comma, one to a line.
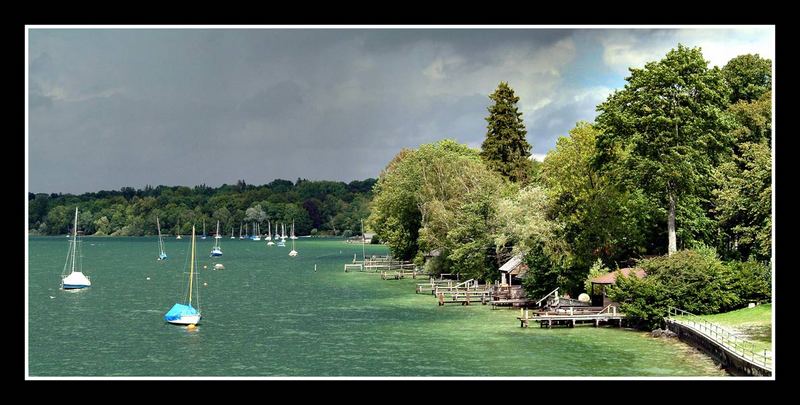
(505,149)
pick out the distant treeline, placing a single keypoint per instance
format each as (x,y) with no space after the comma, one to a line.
(317,207)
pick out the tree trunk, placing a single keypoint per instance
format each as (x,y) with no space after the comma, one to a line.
(672,242)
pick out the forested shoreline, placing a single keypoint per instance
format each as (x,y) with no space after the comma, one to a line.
(674,176)
(316,207)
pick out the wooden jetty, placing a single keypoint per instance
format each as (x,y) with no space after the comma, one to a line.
(464,293)
(353,266)
(430,287)
(398,274)
(571,316)
(464,297)
(388,265)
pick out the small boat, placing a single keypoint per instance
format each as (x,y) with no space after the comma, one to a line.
(204,230)
(162,255)
(269,234)
(293,252)
(184,313)
(216,251)
(75,279)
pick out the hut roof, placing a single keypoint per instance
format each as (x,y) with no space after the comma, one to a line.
(611,278)
(515,266)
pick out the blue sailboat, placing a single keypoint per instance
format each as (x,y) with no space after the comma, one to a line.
(184,313)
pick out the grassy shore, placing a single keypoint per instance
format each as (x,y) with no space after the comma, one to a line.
(754,323)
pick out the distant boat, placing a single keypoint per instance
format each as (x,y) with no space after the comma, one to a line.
(217,251)
(269,234)
(255,236)
(184,313)
(232,232)
(204,230)
(240,231)
(179,230)
(75,279)
(293,252)
(162,255)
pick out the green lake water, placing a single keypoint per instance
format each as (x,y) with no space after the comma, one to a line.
(268,314)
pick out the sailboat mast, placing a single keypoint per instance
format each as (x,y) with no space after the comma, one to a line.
(363,242)
(75,240)
(191,269)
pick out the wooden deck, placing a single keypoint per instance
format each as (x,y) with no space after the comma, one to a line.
(572,316)
(463,297)
(398,274)
(511,302)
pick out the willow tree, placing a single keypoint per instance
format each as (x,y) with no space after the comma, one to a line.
(505,149)
(440,197)
(668,119)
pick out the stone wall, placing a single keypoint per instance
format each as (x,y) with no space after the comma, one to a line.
(733,364)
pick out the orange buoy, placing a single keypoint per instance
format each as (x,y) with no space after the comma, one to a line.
(191,326)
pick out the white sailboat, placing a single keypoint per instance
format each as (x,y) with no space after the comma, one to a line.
(179,230)
(256,236)
(282,242)
(185,313)
(240,231)
(269,234)
(204,230)
(162,255)
(232,232)
(293,252)
(216,251)
(282,239)
(75,279)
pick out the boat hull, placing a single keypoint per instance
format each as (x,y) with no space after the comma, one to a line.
(186,320)
(75,280)
(74,286)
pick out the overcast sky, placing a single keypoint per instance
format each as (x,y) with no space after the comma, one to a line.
(110,108)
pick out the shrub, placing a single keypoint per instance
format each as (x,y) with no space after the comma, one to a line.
(692,280)
(752,281)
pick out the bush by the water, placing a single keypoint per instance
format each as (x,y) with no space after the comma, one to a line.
(693,280)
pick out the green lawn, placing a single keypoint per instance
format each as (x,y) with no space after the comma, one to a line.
(755,323)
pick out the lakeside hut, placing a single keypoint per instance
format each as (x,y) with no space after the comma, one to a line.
(511,273)
(600,283)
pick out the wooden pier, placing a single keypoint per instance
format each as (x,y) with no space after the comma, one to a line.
(358,266)
(464,293)
(571,316)
(398,274)
(464,297)
(430,287)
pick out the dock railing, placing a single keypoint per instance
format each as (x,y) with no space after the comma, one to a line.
(742,347)
(547,296)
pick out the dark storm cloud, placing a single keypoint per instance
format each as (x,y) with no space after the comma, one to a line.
(128,107)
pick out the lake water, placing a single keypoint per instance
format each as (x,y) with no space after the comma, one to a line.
(268,314)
